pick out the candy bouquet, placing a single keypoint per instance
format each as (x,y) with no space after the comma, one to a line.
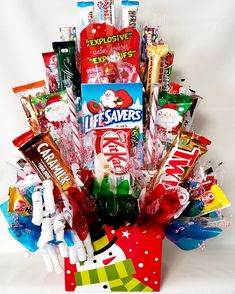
(111,164)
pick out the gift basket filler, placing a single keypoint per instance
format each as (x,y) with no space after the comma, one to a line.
(111,164)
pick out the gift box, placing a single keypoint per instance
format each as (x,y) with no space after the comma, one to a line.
(125,260)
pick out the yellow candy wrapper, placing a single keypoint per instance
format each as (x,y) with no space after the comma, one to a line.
(155,70)
(18,203)
(209,201)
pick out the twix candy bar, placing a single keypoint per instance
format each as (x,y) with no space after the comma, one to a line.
(180,160)
(165,185)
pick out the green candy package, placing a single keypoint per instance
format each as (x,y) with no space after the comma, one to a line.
(65,53)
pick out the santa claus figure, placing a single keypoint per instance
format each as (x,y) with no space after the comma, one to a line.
(109,99)
(57,114)
(169,120)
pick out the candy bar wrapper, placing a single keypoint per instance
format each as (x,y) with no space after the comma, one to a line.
(68,34)
(52,74)
(86,14)
(209,201)
(150,38)
(129,13)
(65,53)
(168,65)
(164,197)
(155,68)
(43,155)
(24,92)
(106,11)
(18,203)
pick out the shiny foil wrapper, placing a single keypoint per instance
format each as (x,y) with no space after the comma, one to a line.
(181,158)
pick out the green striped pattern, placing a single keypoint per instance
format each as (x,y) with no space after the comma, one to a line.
(111,272)
(128,284)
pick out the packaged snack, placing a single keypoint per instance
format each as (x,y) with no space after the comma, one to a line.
(109,55)
(18,203)
(155,70)
(53,112)
(86,14)
(68,34)
(170,115)
(191,233)
(207,202)
(65,53)
(21,228)
(115,145)
(52,74)
(32,89)
(150,38)
(129,13)
(168,65)
(25,92)
(106,11)
(44,156)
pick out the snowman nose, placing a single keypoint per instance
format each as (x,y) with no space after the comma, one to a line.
(108,260)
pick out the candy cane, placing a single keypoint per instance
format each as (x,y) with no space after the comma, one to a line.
(152,123)
(74,124)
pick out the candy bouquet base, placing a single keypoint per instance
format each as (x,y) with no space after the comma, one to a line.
(111,164)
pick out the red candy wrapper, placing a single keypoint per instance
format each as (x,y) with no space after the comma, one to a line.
(163,196)
(52,73)
(97,42)
(115,144)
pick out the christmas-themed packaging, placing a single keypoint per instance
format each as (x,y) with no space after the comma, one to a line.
(111,165)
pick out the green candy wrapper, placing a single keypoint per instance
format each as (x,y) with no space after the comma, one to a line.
(65,53)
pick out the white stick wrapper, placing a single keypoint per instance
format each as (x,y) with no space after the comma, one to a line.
(48,195)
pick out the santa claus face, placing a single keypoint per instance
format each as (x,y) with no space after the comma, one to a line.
(109,99)
(57,112)
(168,118)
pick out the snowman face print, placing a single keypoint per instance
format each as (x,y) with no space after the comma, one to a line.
(112,255)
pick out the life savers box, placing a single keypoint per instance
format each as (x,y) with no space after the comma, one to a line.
(125,260)
(113,105)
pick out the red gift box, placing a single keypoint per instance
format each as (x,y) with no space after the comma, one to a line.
(125,260)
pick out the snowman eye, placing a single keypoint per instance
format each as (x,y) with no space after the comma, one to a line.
(95,261)
(110,253)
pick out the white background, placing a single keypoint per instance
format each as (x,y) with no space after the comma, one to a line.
(202,35)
